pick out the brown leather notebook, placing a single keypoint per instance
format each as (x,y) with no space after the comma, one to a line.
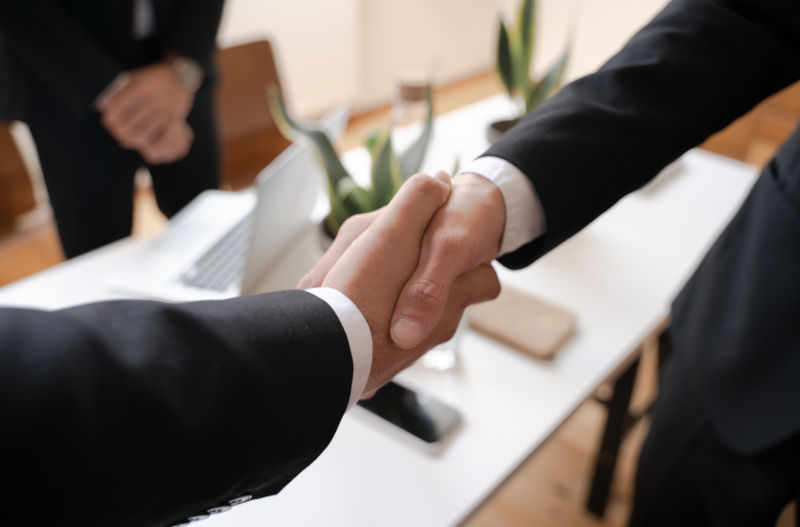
(525,322)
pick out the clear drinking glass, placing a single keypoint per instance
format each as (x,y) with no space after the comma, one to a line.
(409,104)
(445,356)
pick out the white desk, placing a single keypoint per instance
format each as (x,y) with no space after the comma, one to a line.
(619,275)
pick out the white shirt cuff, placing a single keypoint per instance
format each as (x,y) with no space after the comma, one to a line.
(525,219)
(358,334)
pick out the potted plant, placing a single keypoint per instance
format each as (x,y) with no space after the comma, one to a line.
(514,60)
(389,169)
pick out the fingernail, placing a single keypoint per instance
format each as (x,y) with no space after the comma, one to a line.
(406,332)
(443,176)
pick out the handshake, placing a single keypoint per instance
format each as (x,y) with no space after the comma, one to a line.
(146,110)
(413,266)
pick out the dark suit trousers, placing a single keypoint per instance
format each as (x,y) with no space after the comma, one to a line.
(688,475)
(89,177)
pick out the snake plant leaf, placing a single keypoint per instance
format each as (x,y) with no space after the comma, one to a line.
(338,212)
(520,68)
(522,47)
(411,160)
(290,128)
(354,198)
(525,30)
(542,89)
(332,225)
(526,27)
(386,176)
(505,66)
(371,144)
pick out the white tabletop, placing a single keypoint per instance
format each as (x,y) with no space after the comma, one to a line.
(618,275)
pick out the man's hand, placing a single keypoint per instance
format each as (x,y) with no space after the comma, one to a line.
(151,106)
(375,267)
(464,234)
(171,145)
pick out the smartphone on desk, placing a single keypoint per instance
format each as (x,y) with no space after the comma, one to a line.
(416,417)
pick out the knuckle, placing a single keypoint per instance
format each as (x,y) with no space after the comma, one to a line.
(461,245)
(356,224)
(425,294)
(450,243)
(425,186)
(352,222)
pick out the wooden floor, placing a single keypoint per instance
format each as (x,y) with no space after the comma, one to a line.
(551,488)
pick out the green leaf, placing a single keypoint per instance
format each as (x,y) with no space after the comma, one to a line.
(371,144)
(505,64)
(411,160)
(521,68)
(332,224)
(526,20)
(354,198)
(386,176)
(290,128)
(456,167)
(338,211)
(548,84)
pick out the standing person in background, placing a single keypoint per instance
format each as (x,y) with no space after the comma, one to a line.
(108,87)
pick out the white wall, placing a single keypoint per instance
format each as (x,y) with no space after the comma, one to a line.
(356,50)
(443,40)
(315,43)
(601,28)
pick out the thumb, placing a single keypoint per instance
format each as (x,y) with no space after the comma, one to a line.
(478,285)
(422,301)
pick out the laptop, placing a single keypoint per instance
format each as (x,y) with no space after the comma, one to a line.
(226,244)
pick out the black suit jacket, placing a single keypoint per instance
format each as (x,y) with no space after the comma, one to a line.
(143,413)
(692,70)
(73,49)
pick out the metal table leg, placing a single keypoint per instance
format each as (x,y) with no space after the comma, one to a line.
(618,423)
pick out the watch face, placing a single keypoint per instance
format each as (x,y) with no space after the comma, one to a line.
(189,72)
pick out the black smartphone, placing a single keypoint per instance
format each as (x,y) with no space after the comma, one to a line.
(428,421)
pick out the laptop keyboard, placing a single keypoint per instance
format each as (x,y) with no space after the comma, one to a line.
(223,264)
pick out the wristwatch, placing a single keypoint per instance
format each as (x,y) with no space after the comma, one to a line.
(190,74)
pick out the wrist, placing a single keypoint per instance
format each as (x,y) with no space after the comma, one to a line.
(358,333)
(486,195)
(524,214)
(479,182)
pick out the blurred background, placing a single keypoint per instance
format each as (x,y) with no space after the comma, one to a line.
(356,50)
(341,51)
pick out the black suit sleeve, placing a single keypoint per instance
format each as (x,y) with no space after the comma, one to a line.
(143,413)
(58,48)
(693,69)
(193,31)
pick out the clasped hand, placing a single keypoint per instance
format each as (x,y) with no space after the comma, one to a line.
(148,114)
(415,265)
